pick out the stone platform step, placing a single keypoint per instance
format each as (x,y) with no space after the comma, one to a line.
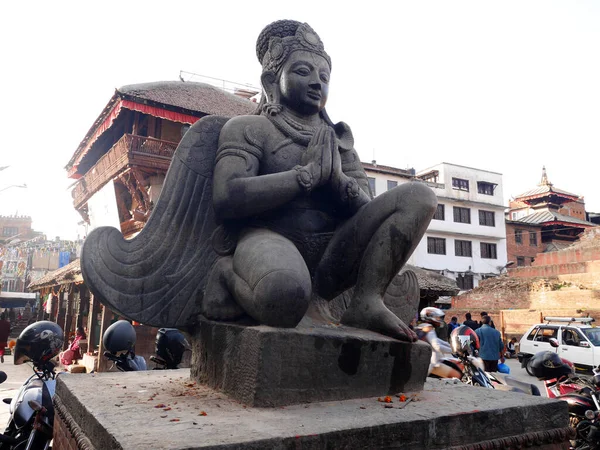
(165,410)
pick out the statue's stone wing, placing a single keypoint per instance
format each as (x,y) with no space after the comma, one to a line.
(158,277)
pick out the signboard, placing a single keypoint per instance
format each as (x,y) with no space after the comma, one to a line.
(102,208)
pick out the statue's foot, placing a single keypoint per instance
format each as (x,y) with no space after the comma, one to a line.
(218,303)
(375,316)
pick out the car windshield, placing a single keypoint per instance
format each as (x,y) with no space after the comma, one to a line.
(593,334)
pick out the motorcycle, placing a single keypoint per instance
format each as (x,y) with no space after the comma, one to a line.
(30,426)
(581,393)
(465,365)
(119,340)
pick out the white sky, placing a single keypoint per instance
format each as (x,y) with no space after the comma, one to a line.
(506,86)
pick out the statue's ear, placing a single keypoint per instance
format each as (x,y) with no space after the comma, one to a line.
(271,87)
(269,82)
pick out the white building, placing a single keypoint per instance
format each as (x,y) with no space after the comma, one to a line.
(466,239)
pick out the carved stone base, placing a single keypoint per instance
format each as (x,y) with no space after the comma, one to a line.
(264,366)
(165,410)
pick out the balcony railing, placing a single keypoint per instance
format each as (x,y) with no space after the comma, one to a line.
(129,150)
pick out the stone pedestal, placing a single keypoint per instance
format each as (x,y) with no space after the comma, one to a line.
(165,410)
(264,366)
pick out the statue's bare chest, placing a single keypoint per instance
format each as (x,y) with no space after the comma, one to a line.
(281,156)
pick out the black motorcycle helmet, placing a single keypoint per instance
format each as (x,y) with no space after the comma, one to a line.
(464,341)
(119,337)
(39,342)
(170,346)
(547,365)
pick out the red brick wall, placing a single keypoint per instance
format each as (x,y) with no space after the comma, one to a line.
(23,223)
(496,300)
(525,249)
(574,209)
(63,439)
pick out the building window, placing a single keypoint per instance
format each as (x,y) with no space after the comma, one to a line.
(533,238)
(462,215)
(487,218)
(519,236)
(10,231)
(485,188)
(440,213)
(464,282)
(520,260)
(488,251)
(372,186)
(436,246)
(460,184)
(463,248)
(391,184)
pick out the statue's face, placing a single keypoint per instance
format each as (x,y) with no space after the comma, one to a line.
(304,82)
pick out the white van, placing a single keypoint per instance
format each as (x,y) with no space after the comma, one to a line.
(578,338)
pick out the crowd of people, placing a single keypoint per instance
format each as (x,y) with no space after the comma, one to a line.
(492,348)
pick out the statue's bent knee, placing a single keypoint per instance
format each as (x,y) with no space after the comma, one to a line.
(281,298)
(416,195)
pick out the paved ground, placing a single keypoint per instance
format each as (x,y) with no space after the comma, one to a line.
(17,375)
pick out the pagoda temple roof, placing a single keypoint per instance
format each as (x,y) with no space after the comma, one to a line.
(545,189)
(548,217)
(179,101)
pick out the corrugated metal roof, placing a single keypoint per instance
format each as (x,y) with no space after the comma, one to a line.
(545,190)
(549,216)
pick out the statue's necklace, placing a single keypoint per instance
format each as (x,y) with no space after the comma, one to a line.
(296,131)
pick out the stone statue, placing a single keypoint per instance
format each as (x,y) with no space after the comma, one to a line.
(259,213)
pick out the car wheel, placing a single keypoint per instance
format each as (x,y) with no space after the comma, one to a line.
(528,367)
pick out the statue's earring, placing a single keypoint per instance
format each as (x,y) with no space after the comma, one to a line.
(272,106)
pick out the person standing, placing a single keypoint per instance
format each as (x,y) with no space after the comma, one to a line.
(453,324)
(4,333)
(490,345)
(483,314)
(470,322)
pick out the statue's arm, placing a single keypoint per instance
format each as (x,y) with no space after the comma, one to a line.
(238,189)
(352,184)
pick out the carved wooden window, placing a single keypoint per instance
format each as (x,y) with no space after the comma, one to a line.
(460,184)
(488,251)
(440,213)
(462,215)
(436,246)
(463,248)
(487,218)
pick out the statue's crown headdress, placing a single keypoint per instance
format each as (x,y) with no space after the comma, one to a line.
(278,39)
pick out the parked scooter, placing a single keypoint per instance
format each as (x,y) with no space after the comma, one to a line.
(119,340)
(30,426)
(171,344)
(583,402)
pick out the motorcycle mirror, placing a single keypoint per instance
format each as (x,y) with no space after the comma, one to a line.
(36,406)
(3,377)
(553,342)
